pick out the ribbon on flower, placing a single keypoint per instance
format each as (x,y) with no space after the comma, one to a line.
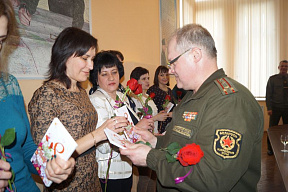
(191,154)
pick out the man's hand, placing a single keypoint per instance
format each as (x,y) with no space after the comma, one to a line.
(5,174)
(137,153)
(146,136)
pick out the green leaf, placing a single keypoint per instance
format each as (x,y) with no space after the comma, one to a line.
(170,158)
(149,110)
(173,148)
(141,110)
(8,137)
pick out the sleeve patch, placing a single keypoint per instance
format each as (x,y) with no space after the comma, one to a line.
(227,143)
(225,86)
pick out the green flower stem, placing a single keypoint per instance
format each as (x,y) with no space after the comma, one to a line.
(126,91)
(107,173)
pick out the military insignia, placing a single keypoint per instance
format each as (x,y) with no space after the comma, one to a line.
(188,116)
(225,86)
(227,143)
(183,131)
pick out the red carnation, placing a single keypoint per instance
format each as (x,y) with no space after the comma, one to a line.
(132,84)
(179,93)
(152,95)
(191,154)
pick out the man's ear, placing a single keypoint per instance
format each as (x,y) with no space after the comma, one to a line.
(197,54)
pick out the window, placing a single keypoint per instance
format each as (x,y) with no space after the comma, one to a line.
(250,36)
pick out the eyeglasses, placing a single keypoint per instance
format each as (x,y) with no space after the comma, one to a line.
(169,64)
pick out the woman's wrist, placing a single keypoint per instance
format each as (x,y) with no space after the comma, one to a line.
(94,138)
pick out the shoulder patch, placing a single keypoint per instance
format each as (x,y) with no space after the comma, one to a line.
(227,143)
(225,86)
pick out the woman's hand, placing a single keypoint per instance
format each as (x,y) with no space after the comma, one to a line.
(5,174)
(116,124)
(58,170)
(146,124)
(161,116)
(170,114)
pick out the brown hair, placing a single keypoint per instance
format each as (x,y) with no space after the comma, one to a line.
(6,9)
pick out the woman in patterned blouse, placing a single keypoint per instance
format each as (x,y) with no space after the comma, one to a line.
(161,90)
(62,96)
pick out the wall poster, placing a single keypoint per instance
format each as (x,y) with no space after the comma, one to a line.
(28,51)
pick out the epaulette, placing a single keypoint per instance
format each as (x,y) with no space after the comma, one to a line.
(225,86)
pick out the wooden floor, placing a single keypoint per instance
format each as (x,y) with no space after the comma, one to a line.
(271,180)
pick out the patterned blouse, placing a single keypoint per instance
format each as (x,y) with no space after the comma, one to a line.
(79,117)
(159,100)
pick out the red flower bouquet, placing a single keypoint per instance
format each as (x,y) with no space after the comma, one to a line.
(191,154)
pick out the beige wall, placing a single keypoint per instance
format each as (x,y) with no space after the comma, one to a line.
(127,25)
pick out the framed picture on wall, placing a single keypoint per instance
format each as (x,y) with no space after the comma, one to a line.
(168,24)
(28,50)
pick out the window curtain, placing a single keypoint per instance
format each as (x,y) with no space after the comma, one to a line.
(250,36)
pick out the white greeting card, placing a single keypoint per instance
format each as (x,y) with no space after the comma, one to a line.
(129,130)
(123,111)
(116,139)
(169,107)
(56,141)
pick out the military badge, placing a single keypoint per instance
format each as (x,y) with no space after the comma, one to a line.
(188,116)
(227,143)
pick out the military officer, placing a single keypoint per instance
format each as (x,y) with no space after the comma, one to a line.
(218,114)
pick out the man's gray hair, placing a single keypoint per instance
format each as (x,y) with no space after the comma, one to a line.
(194,35)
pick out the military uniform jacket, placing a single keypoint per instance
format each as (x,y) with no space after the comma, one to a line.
(226,121)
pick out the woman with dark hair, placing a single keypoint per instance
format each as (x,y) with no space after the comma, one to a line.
(120,57)
(105,80)
(142,76)
(13,115)
(62,96)
(161,90)
(147,177)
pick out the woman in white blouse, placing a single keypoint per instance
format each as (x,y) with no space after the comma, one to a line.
(147,177)
(142,76)
(105,80)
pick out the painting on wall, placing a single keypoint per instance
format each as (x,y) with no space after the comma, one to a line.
(168,24)
(28,51)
